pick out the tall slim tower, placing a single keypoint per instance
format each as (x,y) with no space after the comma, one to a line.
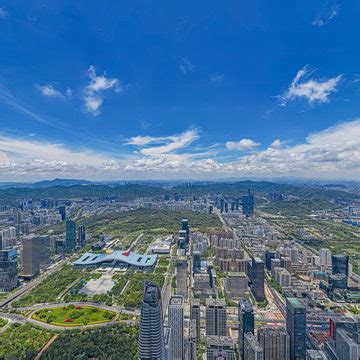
(31,256)
(70,239)
(256,275)
(296,327)
(151,329)
(195,315)
(176,323)
(81,235)
(246,322)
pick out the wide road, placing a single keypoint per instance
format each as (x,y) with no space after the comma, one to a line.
(25,288)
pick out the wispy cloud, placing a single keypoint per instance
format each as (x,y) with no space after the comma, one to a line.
(186,66)
(216,78)
(93,95)
(49,90)
(327,13)
(310,89)
(3,13)
(164,144)
(242,145)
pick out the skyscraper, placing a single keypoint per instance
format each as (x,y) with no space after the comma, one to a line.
(70,239)
(296,328)
(62,212)
(81,235)
(31,256)
(151,330)
(195,315)
(181,276)
(346,347)
(248,202)
(220,348)
(340,264)
(275,343)
(185,227)
(256,275)
(176,323)
(246,322)
(252,349)
(192,341)
(44,246)
(325,257)
(8,269)
(216,317)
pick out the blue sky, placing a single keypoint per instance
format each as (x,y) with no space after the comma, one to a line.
(205,89)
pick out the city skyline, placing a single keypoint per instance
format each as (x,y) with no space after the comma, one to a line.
(194,91)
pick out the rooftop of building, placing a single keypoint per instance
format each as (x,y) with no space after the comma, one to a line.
(176,300)
(296,303)
(128,257)
(215,302)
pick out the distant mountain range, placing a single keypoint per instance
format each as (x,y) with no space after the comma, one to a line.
(45,183)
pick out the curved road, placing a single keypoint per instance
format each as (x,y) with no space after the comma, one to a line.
(20,318)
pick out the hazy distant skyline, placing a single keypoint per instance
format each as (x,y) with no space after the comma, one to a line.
(179,90)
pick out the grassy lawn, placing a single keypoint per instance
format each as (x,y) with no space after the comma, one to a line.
(3,322)
(23,341)
(74,316)
(50,288)
(131,297)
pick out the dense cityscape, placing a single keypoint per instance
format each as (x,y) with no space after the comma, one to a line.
(177,275)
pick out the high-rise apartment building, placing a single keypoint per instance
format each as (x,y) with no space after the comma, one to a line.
(296,328)
(151,328)
(216,317)
(275,343)
(246,322)
(176,323)
(31,256)
(70,237)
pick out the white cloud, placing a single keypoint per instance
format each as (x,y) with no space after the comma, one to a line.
(242,145)
(310,89)
(328,13)
(93,95)
(3,13)
(49,91)
(165,144)
(333,153)
(276,143)
(186,66)
(216,78)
